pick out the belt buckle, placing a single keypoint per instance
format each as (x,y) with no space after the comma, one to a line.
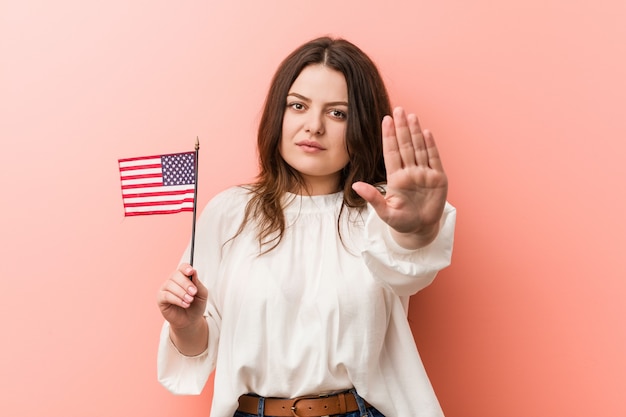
(294,408)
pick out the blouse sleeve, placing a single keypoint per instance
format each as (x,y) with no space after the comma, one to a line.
(406,271)
(219,221)
(182,374)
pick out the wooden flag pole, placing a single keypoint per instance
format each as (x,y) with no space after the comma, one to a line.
(195,201)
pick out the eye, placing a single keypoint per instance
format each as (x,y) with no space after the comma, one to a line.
(296,105)
(338,114)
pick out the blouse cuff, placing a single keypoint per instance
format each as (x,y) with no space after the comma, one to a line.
(181,374)
(406,271)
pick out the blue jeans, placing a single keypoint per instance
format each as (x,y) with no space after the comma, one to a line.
(361,412)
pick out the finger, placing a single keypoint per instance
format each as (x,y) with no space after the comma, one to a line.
(417,139)
(371,194)
(189,273)
(201,292)
(178,286)
(434,160)
(169,298)
(404,137)
(186,270)
(192,282)
(391,154)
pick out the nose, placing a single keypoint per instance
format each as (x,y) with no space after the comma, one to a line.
(315,124)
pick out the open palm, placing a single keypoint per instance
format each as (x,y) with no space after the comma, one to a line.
(417,185)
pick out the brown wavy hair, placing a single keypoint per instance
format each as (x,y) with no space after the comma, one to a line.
(368,103)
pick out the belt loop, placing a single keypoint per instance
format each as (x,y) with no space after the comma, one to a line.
(261,407)
(342,402)
(360,403)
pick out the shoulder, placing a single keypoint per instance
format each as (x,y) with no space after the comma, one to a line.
(232,196)
(230,202)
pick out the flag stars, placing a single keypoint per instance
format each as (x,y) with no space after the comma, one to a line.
(178,169)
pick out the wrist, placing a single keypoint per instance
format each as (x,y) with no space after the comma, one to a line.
(415,240)
(190,340)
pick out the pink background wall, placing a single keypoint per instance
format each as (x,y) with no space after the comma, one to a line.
(526,98)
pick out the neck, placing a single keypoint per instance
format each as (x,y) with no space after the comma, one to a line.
(317,186)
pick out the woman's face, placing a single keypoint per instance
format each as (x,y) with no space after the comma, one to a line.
(313,140)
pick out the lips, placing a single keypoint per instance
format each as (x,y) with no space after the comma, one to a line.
(310,145)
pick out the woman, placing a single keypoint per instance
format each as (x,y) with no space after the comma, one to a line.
(301,285)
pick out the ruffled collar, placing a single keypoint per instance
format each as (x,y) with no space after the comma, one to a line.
(311,203)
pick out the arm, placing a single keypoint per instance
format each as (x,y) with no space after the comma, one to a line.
(406,271)
(415,240)
(186,356)
(189,338)
(182,303)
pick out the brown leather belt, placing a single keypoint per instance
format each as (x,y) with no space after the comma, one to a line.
(313,406)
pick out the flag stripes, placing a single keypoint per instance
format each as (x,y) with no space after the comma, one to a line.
(160,184)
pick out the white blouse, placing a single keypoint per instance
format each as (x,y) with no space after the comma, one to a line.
(323,311)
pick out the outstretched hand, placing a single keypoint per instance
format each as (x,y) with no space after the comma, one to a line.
(417,185)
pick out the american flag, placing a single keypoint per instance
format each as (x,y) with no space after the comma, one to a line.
(159,184)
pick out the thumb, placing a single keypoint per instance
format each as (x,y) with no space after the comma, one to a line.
(372,195)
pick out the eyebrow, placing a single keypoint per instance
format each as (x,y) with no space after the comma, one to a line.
(332,103)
